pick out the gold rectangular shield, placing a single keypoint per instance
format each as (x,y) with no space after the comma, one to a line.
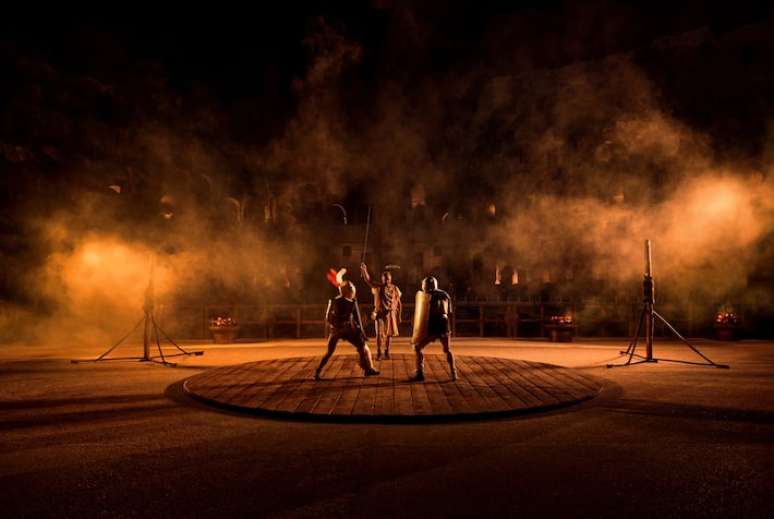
(421,317)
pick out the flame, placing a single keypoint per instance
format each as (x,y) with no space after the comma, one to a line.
(726,318)
(561,320)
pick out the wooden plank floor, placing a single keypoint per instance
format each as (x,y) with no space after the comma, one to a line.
(486,386)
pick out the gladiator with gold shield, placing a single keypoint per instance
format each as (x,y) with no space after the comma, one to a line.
(431,322)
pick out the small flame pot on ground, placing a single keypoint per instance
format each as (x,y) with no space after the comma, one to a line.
(224,329)
(560,328)
(726,325)
(224,334)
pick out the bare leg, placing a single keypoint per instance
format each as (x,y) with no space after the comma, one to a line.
(378,325)
(366,360)
(387,347)
(364,352)
(332,341)
(449,357)
(418,351)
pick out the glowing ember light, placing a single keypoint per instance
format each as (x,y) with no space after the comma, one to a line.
(561,320)
(726,319)
(223,321)
(560,328)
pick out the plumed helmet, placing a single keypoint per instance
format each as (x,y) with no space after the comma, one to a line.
(429,283)
(347,289)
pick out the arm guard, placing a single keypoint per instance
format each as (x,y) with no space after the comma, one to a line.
(328,312)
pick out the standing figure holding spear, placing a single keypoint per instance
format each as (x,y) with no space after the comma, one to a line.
(387,309)
(387,305)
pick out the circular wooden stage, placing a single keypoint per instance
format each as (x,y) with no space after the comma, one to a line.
(486,386)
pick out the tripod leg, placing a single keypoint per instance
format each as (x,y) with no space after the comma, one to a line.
(633,342)
(672,328)
(167,337)
(158,343)
(650,330)
(122,339)
(636,338)
(146,339)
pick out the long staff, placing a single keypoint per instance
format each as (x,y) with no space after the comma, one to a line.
(365,239)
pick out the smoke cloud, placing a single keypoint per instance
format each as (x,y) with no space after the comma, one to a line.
(559,172)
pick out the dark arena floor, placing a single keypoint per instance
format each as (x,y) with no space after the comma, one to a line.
(123,439)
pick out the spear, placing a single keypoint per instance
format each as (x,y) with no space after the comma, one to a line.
(365,239)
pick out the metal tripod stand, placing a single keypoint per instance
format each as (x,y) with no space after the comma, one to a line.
(647,320)
(151,333)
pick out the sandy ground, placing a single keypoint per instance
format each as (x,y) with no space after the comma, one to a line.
(120,440)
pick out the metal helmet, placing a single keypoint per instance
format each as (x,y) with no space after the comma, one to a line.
(347,290)
(429,284)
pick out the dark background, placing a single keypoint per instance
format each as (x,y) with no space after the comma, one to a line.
(81,87)
(249,58)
